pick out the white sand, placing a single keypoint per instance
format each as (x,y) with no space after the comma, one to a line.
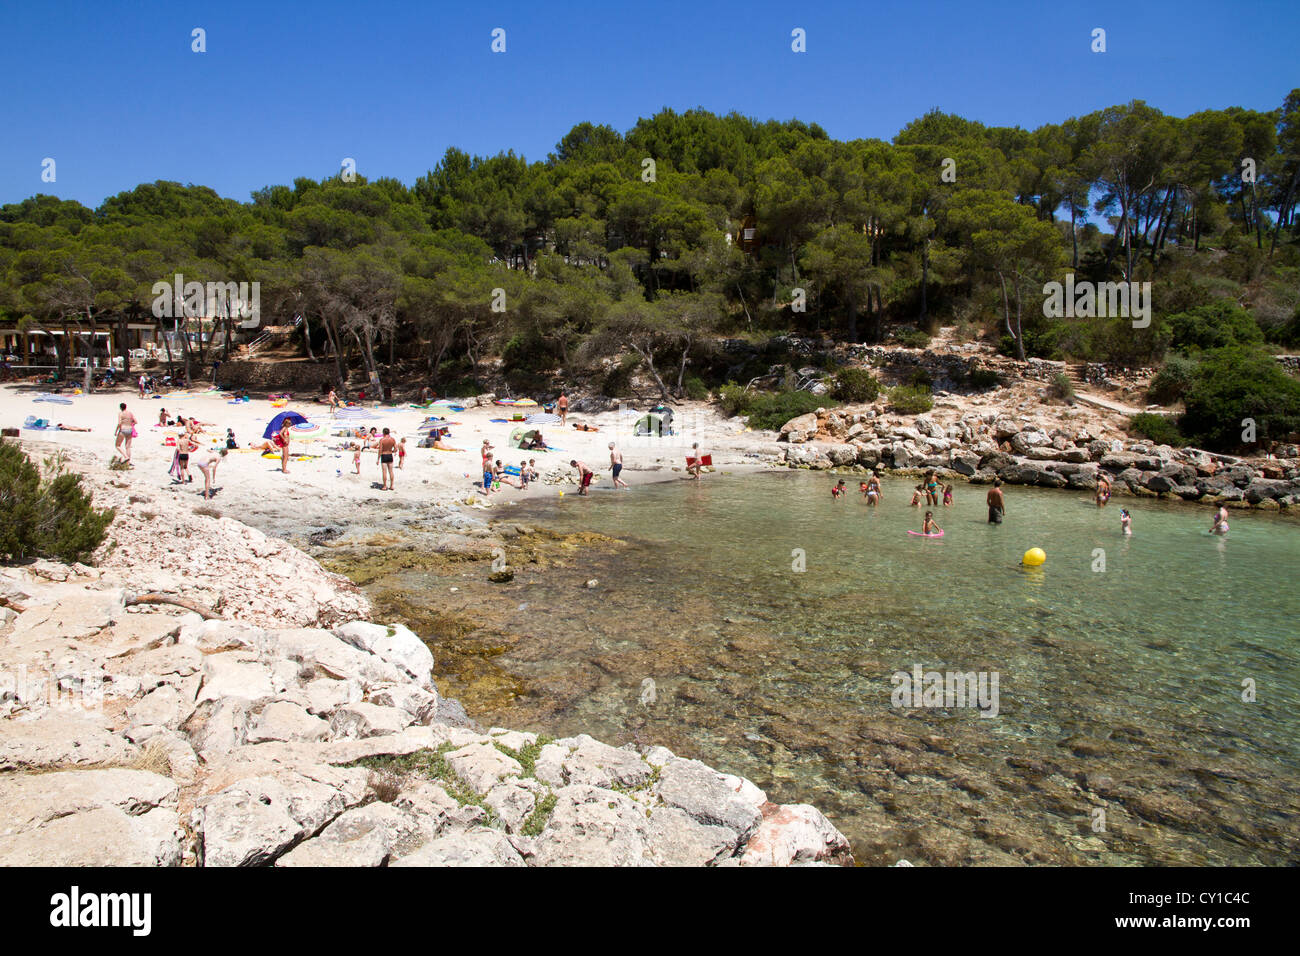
(250,485)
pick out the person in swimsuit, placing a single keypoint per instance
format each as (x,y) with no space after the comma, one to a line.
(401,453)
(125,432)
(1125,522)
(562,407)
(917,496)
(356,459)
(184,445)
(697,457)
(997,505)
(386,448)
(1103,490)
(284,437)
(1220,525)
(931,488)
(616,465)
(486,452)
(873,490)
(928,526)
(207,462)
(162,417)
(585,474)
(525,475)
(947,496)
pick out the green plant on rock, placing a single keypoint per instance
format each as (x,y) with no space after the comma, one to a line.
(1160,429)
(856,385)
(910,399)
(46,516)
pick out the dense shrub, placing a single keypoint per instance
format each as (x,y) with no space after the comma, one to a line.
(910,399)
(984,378)
(1234,384)
(920,378)
(856,385)
(1171,383)
(734,399)
(773,411)
(913,338)
(695,388)
(1288,333)
(1061,387)
(46,516)
(1213,326)
(618,380)
(1161,429)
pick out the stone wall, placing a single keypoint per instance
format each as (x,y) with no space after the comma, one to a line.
(273,376)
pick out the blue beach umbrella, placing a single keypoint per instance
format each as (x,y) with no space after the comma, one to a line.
(276,423)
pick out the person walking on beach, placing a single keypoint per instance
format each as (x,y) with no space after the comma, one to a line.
(386,448)
(695,464)
(333,400)
(142,383)
(616,465)
(997,506)
(562,407)
(125,432)
(585,475)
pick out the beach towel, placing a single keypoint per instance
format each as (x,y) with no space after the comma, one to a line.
(706,461)
(175,469)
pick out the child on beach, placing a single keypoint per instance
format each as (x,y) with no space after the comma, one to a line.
(356,459)
(525,475)
(1125,522)
(838,490)
(928,526)
(947,496)
(401,453)
(916,496)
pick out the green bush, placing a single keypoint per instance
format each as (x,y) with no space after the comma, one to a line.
(774,410)
(1288,333)
(920,378)
(910,399)
(984,378)
(1061,387)
(856,385)
(1217,325)
(913,338)
(1161,429)
(1171,383)
(1234,384)
(734,399)
(618,380)
(46,516)
(695,388)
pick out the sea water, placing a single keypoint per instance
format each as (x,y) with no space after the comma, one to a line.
(1148,687)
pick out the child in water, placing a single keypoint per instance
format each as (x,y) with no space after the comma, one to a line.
(916,496)
(1125,522)
(862,487)
(928,526)
(947,496)
(838,490)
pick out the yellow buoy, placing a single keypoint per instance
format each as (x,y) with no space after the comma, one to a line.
(1034,557)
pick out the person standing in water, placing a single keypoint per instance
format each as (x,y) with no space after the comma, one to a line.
(585,475)
(695,464)
(1220,525)
(386,448)
(997,505)
(1103,489)
(1125,522)
(125,432)
(616,465)
(873,490)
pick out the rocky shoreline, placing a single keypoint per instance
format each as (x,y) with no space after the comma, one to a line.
(979,446)
(134,734)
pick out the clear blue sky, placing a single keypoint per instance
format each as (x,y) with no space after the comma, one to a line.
(112,92)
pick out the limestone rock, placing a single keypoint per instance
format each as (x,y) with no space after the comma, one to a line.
(395,643)
(481,765)
(478,847)
(106,836)
(60,739)
(281,720)
(707,796)
(795,834)
(591,826)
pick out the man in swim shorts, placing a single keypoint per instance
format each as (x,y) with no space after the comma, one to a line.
(486,452)
(386,448)
(616,465)
(585,473)
(997,506)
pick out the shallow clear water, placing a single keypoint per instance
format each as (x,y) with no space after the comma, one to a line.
(1119,690)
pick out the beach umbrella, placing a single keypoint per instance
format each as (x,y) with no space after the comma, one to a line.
(542,418)
(355,414)
(525,403)
(273,427)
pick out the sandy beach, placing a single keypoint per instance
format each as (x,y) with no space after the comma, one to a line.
(322,486)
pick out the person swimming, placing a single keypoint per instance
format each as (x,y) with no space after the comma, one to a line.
(1220,525)
(1125,522)
(928,526)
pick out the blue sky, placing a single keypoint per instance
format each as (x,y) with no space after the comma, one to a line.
(112,92)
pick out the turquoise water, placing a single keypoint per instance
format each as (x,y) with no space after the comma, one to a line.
(1120,690)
